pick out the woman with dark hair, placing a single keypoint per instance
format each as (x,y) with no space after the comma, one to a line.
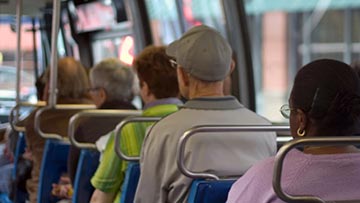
(158,90)
(324,101)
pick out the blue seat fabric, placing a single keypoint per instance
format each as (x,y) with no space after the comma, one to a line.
(4,198)
(20,195)
(87,165)
(131,180)
(209,191)
(53,165)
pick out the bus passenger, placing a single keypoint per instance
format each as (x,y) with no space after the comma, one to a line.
(72,89)
(324,101)
(203,62)
(111,88)
(159,91)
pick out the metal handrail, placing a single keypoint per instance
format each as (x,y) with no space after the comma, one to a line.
(76,119)
(118,134)
(180,156)
(54,54)
(279,159)
(58,107)
(18,58)
(14,119)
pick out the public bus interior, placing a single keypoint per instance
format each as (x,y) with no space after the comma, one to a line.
(271,41)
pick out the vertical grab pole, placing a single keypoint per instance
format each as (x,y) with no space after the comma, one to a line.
(53,65)
(18,54)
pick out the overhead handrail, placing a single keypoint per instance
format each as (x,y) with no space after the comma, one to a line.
(77,118)
(40,111)
(14,119)
(118,134)
(279,160)
(180,156)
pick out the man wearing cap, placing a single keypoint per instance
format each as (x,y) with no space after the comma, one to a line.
(203,60)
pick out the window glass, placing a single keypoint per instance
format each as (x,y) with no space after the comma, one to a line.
(119,47)
(204,12)
(29,63)
(285,36)
(164,21)
(70,44)
(94,16)
(61,45)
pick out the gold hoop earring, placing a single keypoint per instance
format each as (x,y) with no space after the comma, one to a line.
(300,132)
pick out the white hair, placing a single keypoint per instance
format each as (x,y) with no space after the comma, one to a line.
(116,78)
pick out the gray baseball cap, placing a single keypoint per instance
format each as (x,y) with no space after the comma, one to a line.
(203,53)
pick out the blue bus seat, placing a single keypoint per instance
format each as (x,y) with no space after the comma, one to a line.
(209,191)
(19,194)
(19,151)
(131,180)
(4,198)
(53,165)
(87,165)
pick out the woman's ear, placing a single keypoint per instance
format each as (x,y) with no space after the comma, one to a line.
(302,121)
(102,95)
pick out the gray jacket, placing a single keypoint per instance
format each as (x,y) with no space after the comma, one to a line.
(225,155)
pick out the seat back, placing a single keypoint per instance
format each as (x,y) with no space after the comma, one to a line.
(53,165)
(131,180)
(19,150)
(209,191)
(132,173)
(18,194)
(87,165)
(215,189)
(4,198)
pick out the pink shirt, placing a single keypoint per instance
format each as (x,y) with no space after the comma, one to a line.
(331,177)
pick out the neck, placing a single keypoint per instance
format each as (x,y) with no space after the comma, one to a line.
(331,149)
(199,89)
(149,98)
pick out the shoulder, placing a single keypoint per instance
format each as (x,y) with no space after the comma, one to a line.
(262,169)
(166,132)
(257,179)
(171,124)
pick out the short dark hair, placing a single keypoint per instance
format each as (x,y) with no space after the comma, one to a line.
(153,67)
(328,91)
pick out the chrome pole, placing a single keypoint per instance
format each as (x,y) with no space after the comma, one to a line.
(53,66)
(18,54)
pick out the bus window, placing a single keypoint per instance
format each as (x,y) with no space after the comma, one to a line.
(31,62)
(70,44)
(118,47)
(164,21)
(61,45)
(285,36)
(206,12)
